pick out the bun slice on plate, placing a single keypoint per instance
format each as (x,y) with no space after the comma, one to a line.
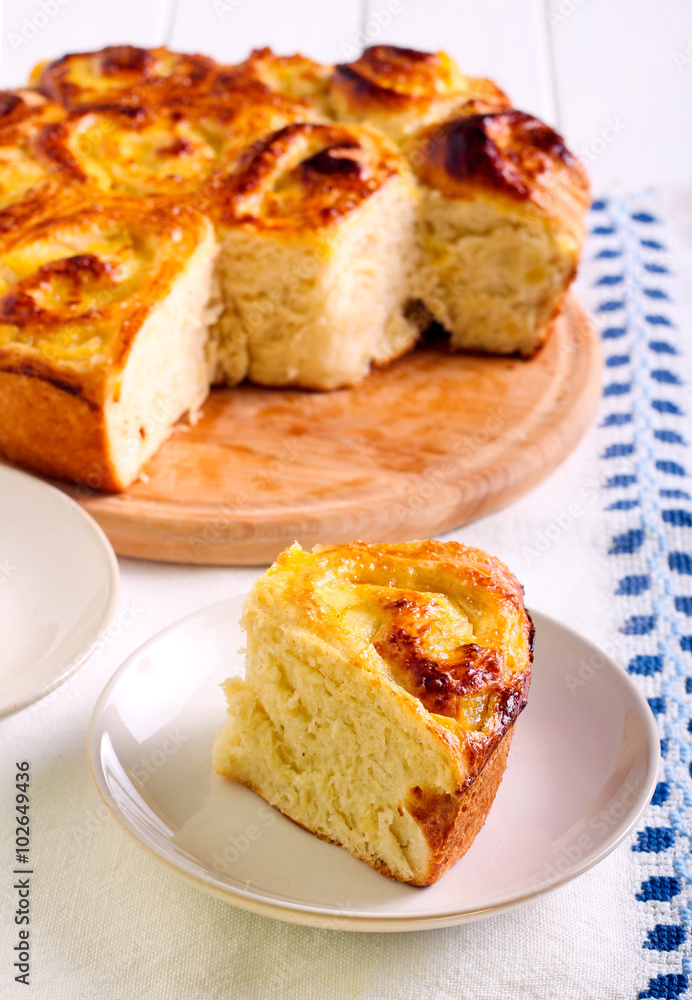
(381,689)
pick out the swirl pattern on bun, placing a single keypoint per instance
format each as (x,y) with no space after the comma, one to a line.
(125,74)
(170,150)
(381,689)
(264,72)
(28,180)
(402,90)
(102,335)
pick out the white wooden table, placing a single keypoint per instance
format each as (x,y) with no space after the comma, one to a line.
(614,76)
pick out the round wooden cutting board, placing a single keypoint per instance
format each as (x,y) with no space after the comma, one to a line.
(421,447)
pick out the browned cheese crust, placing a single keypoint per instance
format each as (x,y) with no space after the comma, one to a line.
(266,74)
(305,177)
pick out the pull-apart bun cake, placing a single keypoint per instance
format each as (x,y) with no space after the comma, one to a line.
(381,688)
(340,210)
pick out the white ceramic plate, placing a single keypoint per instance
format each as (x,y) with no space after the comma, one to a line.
(581,770)
(58,588)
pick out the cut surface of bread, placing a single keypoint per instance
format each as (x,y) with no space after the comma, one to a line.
(500,228)
(102,336)
(381,689)
(317,257)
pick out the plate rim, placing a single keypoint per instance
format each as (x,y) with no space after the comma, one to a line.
(83,518)
(315,916)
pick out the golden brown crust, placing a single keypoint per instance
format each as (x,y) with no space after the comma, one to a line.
(170,150)
(22,111)
(47,426)
(451,833)
(479,684)
(406,86)
(73,316)
(265,73)
(507,155)
(125,74)
(29,182)
(305,177)
(439,685)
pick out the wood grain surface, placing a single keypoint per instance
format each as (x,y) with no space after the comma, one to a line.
(419,448)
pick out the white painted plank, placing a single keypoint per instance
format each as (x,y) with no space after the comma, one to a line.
(624,79)
(229,29)
(33,30)
(506,40)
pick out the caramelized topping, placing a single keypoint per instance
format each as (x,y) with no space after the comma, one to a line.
(126,59)
(125,74)
(342,158)
(19,308)
(439,682)
(8,103)
(305,175)
(62,280)
(434,811)
(389,73)
(506,151)
(179,147)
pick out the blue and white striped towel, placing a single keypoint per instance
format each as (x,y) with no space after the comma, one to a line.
(646,434)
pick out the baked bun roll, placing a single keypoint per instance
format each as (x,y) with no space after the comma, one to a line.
(125,74)
(381,689)
(402,90)
(102,336)
(169,150)
(501,226)
(317,249)
(293,76)
(28,181)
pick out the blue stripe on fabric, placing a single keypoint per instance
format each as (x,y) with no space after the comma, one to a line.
(665,937)
(617,419)
(633,585)
(651,568)
(659,887)
(667,987)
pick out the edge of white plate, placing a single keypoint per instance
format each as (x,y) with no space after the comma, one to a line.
(109,611)
(314,916)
